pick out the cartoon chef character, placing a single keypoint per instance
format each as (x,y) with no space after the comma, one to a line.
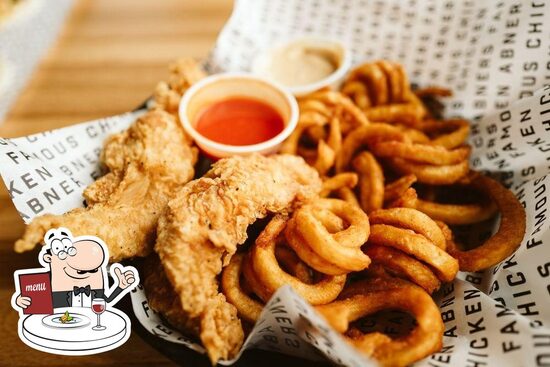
(78,270)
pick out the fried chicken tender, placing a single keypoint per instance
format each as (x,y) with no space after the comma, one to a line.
(162,298)
(208,218)
(183,73)
(146,164)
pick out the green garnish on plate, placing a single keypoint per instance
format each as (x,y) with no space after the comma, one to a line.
(66,318)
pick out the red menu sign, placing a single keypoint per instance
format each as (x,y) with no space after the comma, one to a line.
(37,287)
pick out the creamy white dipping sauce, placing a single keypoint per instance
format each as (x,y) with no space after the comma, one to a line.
(300,63)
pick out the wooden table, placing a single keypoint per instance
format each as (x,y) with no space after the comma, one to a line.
(107,61)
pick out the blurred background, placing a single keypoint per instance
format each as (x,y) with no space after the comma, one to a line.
(69,61)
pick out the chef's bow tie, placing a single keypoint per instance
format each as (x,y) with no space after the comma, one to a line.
(78,290)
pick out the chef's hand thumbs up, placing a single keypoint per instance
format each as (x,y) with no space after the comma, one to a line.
(125,277)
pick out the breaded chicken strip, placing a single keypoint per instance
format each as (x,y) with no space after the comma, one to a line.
(208,218)
(147,163)
(183,73)
(162,298)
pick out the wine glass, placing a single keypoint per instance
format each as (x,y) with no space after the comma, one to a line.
(98,307)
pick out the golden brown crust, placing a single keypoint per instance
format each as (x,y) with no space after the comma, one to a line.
(508,236)
(371,296)
(208,218)
(183,73)
(146,163)
(162,298)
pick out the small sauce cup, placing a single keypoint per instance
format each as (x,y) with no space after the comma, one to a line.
(220,87)
(305,64)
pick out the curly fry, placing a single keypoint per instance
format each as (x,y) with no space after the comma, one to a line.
(296,241)
(292,264)
(508,236)
(433,91)
(408,199)
(346,179)
(417,246)
(403,266)
(421,153)
(397,188)
(270,276)
(342,248)
(325,158)
(371,181)
(457,214)
(447,133)
(433,175)
(365,135)
(373,297)
(248,308)
(413,220)
(381,89)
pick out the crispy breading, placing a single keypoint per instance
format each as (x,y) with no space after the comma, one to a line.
(146,164)
(208,218)
(183,73)
(162,298)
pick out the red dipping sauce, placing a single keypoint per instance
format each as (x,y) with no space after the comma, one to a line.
(239,121)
